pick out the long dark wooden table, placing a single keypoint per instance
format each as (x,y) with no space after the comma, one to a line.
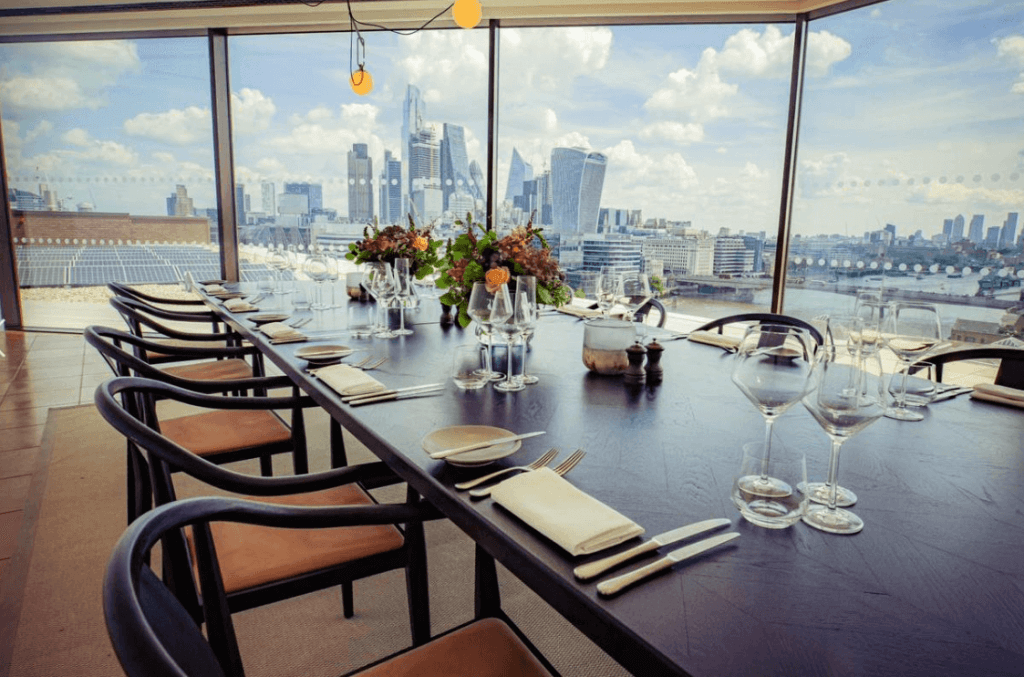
(934,585)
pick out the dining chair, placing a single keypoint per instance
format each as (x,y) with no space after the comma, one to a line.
(153,634)
(167,342)
(651,305)
(763,318)
(225,434)
(1011,363)
(201,313)
(260,565)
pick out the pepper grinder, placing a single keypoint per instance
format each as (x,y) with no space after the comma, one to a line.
(634,373)
(653,367)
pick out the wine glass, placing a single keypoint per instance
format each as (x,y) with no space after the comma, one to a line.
(381,284)
(771,367)
(910,331)
(481,308)
(512,328)
(528,284)
(634,291)
(278,261)
(316,268)
(405,293)
(843,411)
(605,287)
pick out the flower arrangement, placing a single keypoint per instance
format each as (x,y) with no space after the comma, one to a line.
(396,242)
(475,257)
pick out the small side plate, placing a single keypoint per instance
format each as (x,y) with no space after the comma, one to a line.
(263,318)
(323,354)
(459,435)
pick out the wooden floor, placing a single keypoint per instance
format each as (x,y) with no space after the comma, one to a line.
(38,371)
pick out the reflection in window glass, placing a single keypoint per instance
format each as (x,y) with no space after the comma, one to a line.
(910,165)
(109,158)
(650,146)
(317,163)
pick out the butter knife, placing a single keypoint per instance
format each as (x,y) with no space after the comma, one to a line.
(587,571)
(950,394)
(481,444)
(614,585)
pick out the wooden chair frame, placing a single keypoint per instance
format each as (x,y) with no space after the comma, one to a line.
(1011,363)
(763,318)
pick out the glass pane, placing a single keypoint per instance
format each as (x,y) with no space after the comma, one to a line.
(910,165)
(316,162)
(650,146)
(110,160)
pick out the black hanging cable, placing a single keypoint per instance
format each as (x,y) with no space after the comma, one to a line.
(398,31)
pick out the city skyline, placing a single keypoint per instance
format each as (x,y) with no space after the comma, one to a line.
(690,117)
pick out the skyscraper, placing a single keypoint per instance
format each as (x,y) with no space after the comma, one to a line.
(314,195)
(425,173)
(180,204)
(413,113)
(577,180)
(958,228)
(476,175)
(1009,231)
(240,203)
(268,199)
(454,165)
(947,228)
(519,171)
(391,190)
(977,231)
(360,184)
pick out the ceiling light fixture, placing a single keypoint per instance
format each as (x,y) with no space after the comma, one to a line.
(467,13)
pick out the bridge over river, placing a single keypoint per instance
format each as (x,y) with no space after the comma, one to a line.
(745,287)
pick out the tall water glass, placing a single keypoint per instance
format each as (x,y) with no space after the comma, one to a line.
(512,329)
(528,285)
(910,332)
(843,411)
(381,285)
(482,309)
(635,291)
(405,293)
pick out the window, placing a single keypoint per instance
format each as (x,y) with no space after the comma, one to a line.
(109,157)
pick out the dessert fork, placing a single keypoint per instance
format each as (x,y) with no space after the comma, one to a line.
(561,469)
(366,365)
(541,461)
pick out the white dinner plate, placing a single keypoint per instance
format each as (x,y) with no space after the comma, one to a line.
(322,354)
(263,318)
(461,435)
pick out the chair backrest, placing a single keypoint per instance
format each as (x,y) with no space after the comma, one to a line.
(138,314)
(1011,363)
(763,318)
(653,304)
(121,289)
(153,633)
(126,355)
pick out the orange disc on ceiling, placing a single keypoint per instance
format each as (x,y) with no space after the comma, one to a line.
(467,13)
(361,82)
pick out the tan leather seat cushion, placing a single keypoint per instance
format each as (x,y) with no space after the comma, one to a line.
(218,432)
(251,555)
(184,343)
(217,370)
(487,648)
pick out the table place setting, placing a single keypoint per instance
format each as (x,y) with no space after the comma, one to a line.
(279,332)
(239,305)
(713,338)
(357,388)
(615,585)
(987,392)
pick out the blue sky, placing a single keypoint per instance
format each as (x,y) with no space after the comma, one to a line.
(691,117)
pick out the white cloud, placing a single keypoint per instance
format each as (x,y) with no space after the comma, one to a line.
(549,61)
(675,132)
(817,177)
(700,93)
(95,150)
(958,194)
(77,137)
(751,172)
(67,75)
(251,111)
(1012,48)
(179,127)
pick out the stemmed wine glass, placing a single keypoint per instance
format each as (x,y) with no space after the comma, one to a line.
(316,268)
(605,287)
(634,291)
(512,328)
(483,309)
(405,293)
(845,398)
(382,286)
(278,260)
(911,331)
(771,367)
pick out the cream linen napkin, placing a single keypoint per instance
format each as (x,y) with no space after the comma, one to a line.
(578,311)
(713,338)
(239,306)
(347,380)
(999,394)
(279,332)
(578,522)
(214,288)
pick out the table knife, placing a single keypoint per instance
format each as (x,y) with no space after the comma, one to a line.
(614,585)
(347,399)
(481,444)
(950,394)
(587,571)
(397,396)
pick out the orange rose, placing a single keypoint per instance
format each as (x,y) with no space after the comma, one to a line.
(496,277)
(420,243)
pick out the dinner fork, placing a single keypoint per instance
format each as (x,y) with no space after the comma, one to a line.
(561,469)
(541,461)
(366,365)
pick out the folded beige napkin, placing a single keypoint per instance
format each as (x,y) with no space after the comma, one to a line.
(279,332)
(578,522)
(999,394)
(713,338)
(214,288)
(578,311)
(239,306)
(347,380)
